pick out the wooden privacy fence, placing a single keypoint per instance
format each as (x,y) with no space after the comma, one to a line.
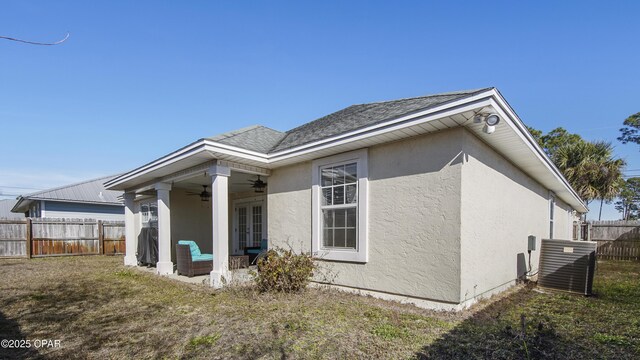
(617,240)
(618,249)
(60,237)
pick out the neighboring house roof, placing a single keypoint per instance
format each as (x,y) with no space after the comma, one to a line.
(5,210)
(357,127)
(87,192)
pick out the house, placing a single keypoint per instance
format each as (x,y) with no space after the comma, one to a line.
(85,200)
(5,210)
(429,200)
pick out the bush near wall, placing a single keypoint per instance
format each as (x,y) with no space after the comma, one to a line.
(284,271)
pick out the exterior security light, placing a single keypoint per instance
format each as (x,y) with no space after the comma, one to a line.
(492,120)
(488,129)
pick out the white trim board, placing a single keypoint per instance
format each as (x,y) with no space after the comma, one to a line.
(358,138)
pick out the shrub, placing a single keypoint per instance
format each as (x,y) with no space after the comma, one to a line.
(284,271)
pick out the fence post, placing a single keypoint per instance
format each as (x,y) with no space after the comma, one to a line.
(101,236)
(29,238)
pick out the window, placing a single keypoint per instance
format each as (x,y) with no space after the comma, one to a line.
(257,225)
(149,213)
(552,205)
(340,207)
(339,186)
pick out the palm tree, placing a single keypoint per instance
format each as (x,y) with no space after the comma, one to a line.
(610,181)
(590,169)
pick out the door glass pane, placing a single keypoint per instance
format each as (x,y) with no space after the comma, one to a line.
(144,210)
(257,225)
(153,209)
(242,227)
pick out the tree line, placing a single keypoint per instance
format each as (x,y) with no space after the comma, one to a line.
(592,169)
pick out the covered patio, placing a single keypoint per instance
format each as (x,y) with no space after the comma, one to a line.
(220,205)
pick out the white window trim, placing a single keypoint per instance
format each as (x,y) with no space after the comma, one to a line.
(361,255)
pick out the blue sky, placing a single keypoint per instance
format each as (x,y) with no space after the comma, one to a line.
(137,80)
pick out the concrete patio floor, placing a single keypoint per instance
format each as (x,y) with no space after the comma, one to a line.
(237,276)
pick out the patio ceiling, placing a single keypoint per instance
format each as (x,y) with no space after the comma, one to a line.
(238,182)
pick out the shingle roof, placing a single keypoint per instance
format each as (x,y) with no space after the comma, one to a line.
(265,140)
(358,116)
(257,138)
(91,191)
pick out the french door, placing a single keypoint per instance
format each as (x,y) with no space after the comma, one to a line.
(249,226)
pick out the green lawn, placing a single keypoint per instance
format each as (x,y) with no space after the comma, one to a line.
(99,309)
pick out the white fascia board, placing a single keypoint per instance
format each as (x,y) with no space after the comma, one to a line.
(22,205)
(191,149)
(506,112)
(213,146)
(387,127)
(440,111)
(195,148)
(490,97)
(205,145)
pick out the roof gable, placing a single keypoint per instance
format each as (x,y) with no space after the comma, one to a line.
(256,138)
(359,116)
(367,125)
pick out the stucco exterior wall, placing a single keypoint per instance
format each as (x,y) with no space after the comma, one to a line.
(501,207)
(414,218)
(563,221)
(449,219)
(190,220)
(289,210)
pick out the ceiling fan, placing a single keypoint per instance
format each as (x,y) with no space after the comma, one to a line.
(204,195)
(258,185)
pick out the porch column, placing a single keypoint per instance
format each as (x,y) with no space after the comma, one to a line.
(220,213)
(130,230)
(164,265)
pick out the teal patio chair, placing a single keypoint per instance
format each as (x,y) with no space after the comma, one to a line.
(190,261)
(257,252)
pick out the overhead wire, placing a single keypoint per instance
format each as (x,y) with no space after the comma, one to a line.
(36,42)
